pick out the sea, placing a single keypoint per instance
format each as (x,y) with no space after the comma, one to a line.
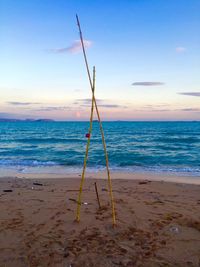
(158,147)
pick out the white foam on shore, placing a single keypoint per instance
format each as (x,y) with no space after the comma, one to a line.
(71,172)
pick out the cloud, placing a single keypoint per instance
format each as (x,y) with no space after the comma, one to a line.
(111,106)
(52,108)
(190,109)
(6,115)
(156,106)
(147,83)
(158,110)
(180,49)
(17,103)
(87,100)
(190,93)
(100,102)
(74,48)
(153,108)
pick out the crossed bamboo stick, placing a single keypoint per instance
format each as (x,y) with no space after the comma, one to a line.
(94,104)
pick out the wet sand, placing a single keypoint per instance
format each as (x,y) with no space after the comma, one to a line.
(158,223)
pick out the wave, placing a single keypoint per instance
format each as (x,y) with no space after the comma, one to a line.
(49,140)
(28,163)
(177,139)
(73,165)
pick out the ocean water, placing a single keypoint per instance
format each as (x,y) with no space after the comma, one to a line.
(172,147)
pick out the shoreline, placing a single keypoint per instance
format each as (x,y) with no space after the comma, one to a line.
(115,175)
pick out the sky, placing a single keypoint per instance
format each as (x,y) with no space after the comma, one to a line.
(146,54)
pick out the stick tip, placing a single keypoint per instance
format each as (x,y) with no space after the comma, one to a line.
(76,222)
(77,19)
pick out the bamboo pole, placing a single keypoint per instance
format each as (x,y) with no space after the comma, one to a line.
(100,124)
(86,152)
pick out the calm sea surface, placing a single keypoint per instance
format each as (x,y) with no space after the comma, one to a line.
(140,146)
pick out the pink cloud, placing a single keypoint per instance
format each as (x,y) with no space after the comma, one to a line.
(180,49)
(74,48)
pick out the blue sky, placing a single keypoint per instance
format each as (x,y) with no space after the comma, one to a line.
(146,53)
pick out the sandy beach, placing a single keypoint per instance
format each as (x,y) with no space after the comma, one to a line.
(108,91)
(158,223)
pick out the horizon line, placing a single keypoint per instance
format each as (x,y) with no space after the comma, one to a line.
(55,120)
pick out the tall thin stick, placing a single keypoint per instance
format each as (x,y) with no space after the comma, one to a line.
(100,124)
(96,190)
(86,152)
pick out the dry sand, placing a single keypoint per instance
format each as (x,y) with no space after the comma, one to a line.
(158,224)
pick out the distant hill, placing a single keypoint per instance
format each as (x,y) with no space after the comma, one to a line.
(25,120)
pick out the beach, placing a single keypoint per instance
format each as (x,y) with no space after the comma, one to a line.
(158,221)
(100,134)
